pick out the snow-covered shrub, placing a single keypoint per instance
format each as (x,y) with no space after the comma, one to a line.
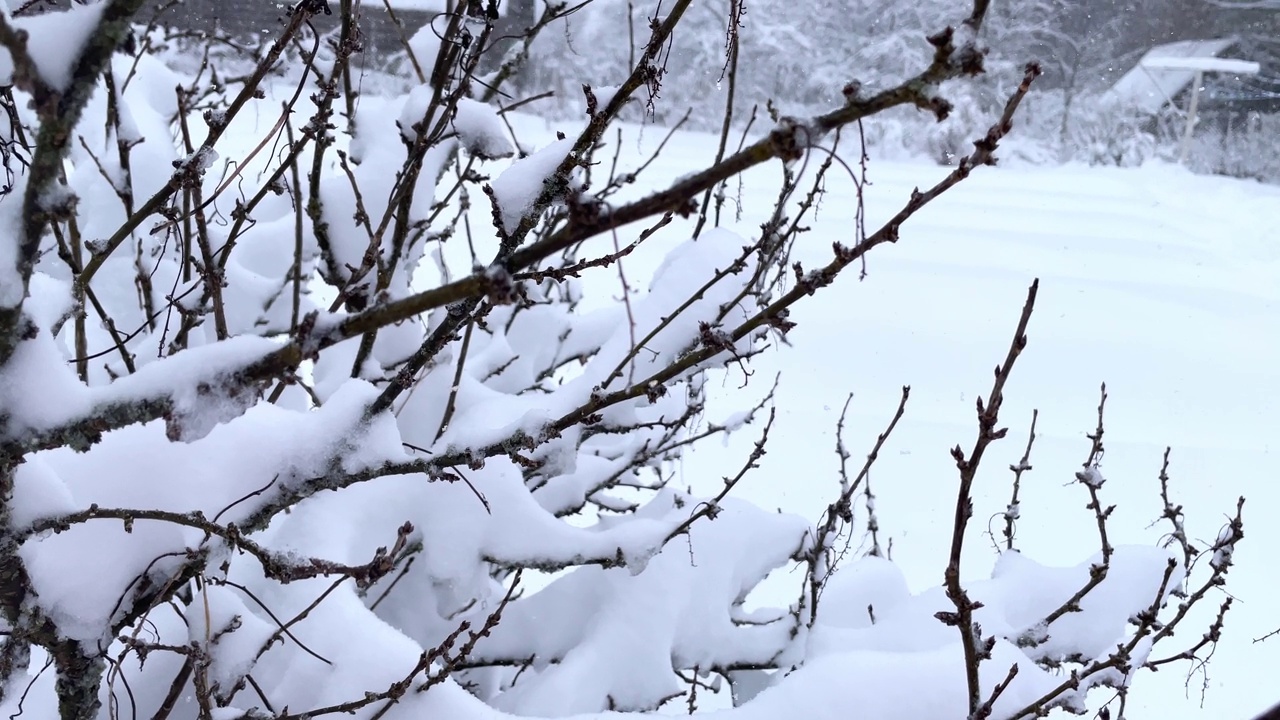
(1106,134)
(303,413)
(1242,150)
(1097,129)
(797,55)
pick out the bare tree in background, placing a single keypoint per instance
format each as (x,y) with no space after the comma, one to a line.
(284,430)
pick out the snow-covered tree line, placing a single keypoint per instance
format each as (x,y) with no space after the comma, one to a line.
(288,431)
(800,53)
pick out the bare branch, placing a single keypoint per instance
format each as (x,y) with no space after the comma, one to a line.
(976,648)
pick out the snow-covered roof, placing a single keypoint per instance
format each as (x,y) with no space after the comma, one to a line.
(1163,72)
(419,5)
(430,6)
(1204,64)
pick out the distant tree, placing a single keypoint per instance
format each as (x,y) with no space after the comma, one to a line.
(1153,22)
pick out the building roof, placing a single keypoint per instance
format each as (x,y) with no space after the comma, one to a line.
(1203,64)
(1166,70)
(429,6)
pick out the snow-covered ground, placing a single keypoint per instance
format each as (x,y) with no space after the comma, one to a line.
(1158,282)
(1155,281)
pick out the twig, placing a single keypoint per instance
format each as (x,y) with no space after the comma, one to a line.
(276,566)
(730,70)
(1091,477)
(976,649)
(1014,509)
(840,513)
(711,508)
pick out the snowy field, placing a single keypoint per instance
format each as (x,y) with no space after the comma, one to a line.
(1158,282)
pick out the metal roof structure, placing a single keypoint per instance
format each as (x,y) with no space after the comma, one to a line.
(1166,70)
(1203,64)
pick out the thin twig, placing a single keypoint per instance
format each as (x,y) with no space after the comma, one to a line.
(976,649)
